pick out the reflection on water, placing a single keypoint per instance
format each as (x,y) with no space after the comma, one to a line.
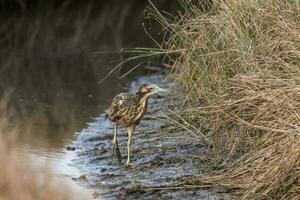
(58,162)
(48,66)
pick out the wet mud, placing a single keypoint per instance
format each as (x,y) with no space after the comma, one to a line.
(161,157)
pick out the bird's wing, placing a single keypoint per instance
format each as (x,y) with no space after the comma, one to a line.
(120,104)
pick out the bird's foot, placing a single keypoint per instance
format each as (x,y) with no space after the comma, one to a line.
(128,164)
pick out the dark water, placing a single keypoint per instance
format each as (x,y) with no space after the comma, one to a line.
(50,72)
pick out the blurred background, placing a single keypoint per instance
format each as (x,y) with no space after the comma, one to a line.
(50,73)
(48,64)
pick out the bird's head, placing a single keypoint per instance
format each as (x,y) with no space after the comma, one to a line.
(148,89)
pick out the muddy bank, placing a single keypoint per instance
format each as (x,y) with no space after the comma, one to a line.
(160,157)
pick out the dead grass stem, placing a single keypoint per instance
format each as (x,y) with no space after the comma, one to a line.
(240,69)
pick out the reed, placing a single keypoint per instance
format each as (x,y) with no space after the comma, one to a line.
(238,63)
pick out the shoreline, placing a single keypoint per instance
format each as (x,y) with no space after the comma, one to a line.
(161,157)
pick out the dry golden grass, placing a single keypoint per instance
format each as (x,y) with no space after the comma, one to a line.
(240,68)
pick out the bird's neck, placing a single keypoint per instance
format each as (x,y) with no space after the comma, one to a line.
(142,97)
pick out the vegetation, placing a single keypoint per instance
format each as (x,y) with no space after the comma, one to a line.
(239,65)
(238,62)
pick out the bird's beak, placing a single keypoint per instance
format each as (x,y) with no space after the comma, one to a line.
(158,89)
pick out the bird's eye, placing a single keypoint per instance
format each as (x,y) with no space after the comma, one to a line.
(150,89)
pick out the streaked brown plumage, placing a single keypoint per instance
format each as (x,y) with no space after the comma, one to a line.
(127,110)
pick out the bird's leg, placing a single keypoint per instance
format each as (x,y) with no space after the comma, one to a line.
(128,150)
(130,132)
(114,141)
(116,150)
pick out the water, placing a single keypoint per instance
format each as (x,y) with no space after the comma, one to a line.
(51,138)
(50,72)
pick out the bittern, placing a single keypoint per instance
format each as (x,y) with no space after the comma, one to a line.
(127,110)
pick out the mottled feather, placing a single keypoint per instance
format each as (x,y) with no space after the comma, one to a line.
(127,109)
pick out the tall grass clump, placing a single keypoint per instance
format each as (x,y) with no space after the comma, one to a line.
(239,65)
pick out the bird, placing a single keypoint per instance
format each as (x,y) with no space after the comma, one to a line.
(127,110)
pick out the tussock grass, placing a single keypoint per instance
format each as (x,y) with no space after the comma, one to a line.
(239,64)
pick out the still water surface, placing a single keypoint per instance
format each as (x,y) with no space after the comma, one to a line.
(50,139)
(49,67)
